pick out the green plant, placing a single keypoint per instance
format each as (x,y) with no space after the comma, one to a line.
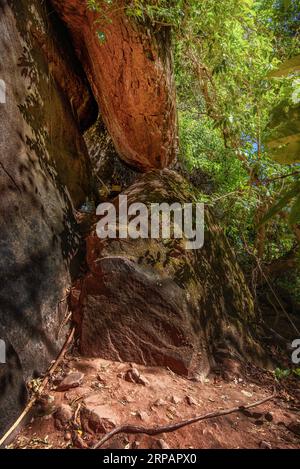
(284,373)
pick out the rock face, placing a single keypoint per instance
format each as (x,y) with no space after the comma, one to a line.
(44,171)
(110,171)
(153,302)
(130,70)
(13,393)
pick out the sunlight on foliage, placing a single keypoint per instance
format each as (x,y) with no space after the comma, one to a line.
(237,95)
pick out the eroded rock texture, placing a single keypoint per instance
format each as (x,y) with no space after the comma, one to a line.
(156,303)
(130,71)
(109,170)
(44,171)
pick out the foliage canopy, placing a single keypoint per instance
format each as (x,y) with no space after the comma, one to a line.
(238,84)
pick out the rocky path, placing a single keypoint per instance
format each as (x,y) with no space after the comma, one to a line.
(86,398)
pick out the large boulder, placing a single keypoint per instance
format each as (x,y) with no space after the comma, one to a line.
(44,174)
(153,302)
(129,67)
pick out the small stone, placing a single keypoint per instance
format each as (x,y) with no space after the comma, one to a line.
(68,436)
(134,373)
(294,427)
(64,414)
(175,400)
(73,380)
(265,445)
(172,409)
(190,400)
(162,444)
(269,417)
(99,418)
(142,415)
(259,423)
(133,376)
(144,381)
(246,393)
(101,380)
(160,403)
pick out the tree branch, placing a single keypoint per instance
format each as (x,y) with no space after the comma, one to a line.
(44,383)
(133,429)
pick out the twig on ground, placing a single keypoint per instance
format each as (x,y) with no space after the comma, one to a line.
(44,383)
(76,414)
(133,429)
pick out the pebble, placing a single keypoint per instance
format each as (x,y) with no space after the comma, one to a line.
(175,400)
(133,376)
(246,393)
(100,418)
(269,417)
(68,436)
(73,380)
(162,444)
(160,403)
(265,445)
(190,400)
(142,415)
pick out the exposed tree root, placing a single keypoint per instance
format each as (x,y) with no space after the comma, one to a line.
(43,385)
(133,429)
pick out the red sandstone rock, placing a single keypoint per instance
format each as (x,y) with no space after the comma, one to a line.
(99,418)
(152,302)
(131,75)
(73,380)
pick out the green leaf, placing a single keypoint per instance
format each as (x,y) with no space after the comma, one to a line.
(282,373)
(282,203)
(295,212)
(287,67)
(101,36)
(284,141)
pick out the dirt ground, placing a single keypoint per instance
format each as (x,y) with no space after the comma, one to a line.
(109,394)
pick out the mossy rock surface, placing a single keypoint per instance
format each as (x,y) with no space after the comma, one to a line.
(152,301)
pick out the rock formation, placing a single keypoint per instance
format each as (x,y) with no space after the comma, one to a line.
(130,71)
(153,302)
(148,301)
(44,173)
(110,171)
